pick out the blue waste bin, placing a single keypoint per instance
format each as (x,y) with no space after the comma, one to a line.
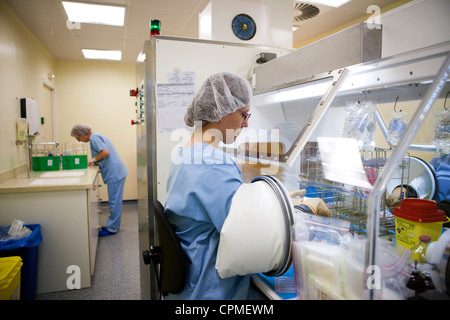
(27,249)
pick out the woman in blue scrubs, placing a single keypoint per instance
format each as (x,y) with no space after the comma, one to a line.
(202,182)
(112,169)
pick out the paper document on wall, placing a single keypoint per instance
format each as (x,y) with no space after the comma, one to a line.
(341,162)
(172,100)
(181,77)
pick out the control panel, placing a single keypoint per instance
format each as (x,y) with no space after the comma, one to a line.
(139,104)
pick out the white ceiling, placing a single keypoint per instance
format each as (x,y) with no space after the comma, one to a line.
(46,19)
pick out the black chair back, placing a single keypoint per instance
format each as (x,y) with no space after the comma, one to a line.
(173,270)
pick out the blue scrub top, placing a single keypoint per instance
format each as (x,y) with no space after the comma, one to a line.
(112,168)
(442,169)
(202,182)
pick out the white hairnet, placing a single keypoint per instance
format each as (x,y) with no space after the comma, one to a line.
(80,130)
(221,94)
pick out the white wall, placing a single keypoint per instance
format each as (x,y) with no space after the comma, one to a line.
(23,64)
(97,93)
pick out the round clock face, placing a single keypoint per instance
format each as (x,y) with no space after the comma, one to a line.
(244,27)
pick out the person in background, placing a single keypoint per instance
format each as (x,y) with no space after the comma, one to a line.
(441,165)
(112,169)
(202,182)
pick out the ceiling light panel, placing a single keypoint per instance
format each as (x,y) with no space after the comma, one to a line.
(329,3)
(102,54)
(94,13)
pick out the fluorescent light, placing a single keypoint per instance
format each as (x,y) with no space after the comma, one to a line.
(315,89)
(102,54)
(329,3)
(94,13)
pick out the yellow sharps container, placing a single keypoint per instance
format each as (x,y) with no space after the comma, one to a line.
(10,278)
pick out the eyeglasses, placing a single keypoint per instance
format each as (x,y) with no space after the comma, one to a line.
(245,115)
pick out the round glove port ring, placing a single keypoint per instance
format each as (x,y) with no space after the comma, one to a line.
(287,209)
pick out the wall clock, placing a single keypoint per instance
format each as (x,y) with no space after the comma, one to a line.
(244,27)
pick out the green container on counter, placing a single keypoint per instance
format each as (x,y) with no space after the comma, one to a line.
(49,163)
(74,162)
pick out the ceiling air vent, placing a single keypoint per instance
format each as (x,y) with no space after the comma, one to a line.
(304,11)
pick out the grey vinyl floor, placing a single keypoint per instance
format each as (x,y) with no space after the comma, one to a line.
(116,273)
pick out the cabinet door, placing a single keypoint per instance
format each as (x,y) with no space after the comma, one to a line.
(102,196)
(93,199)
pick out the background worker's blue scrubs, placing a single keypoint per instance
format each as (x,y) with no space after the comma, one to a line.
(113,172)
(202,182)
(441,167)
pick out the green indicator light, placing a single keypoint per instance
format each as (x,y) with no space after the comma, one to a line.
(155,27)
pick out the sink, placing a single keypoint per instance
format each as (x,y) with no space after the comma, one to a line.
(62,174)
(57,177)
(43,182)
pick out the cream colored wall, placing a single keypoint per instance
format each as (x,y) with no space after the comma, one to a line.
(23,64)
(89,92)
(97,93)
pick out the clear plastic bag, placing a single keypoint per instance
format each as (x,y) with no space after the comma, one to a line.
(329,262)
(312,227)
(394,269)
(397,126)
(16,231)
(360,124)
(317,256)
(442,132)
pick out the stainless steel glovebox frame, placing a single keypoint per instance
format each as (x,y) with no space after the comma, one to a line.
(422,74)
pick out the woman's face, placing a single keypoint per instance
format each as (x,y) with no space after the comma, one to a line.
(231,125)
(84,138)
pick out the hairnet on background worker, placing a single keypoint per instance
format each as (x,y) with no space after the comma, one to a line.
(199,192)
(112,169)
